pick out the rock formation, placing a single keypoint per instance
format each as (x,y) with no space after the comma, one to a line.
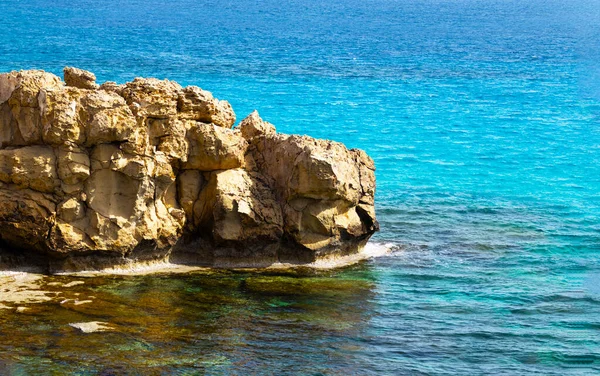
(95,175)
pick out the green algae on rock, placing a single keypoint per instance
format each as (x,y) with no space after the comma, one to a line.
(97,176)
(205,322)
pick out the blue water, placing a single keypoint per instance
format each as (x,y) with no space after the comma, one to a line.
(483,118)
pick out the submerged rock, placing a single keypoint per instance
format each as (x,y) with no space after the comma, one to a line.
(92,326)
(96,176)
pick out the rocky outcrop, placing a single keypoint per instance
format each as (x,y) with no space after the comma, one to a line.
(95,175)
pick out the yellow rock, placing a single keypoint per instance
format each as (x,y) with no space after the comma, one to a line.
(95,176)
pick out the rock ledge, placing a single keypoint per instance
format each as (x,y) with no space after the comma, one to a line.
(93,176)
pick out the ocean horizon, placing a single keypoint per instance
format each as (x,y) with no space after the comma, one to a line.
(483,119)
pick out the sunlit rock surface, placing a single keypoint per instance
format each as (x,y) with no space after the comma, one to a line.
(93,176)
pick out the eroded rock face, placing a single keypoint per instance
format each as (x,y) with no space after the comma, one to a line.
(149,169)
(326,191)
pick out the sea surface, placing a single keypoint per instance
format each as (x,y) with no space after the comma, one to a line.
(483,118)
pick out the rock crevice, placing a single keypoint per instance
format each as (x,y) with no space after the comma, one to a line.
(95,175)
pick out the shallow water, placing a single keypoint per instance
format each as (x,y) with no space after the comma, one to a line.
(483,121)
(213,322)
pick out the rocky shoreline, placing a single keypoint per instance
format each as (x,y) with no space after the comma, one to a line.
(96,176)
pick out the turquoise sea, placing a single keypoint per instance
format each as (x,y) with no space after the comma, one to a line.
(483,118)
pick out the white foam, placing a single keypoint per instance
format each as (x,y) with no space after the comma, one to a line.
(378,249)
(372,249)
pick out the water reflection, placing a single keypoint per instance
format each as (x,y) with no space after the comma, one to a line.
(216,323)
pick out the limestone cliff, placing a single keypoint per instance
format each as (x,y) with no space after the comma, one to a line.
(93,175)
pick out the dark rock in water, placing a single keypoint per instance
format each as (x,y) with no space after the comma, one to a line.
(95,176)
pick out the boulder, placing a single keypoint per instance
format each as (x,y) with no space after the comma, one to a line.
(19,93)
(238,206)
(61,121)
(80,78)
(303,167)
(149,97)
(197,104)
(32,167)
(213,148)
(113,87)
(253,126)
(326,191)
